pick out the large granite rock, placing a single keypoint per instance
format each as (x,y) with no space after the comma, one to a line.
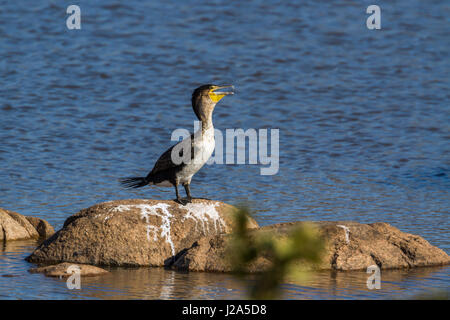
(135,232)
(349,246)
(14,226)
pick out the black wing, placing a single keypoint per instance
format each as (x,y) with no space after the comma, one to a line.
(165,160)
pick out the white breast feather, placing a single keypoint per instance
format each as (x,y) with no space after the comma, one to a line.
(203,148)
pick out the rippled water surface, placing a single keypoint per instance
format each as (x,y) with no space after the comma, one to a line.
(363,118)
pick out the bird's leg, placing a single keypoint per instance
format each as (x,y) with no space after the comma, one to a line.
(178,194)
(188,192)
(179,200)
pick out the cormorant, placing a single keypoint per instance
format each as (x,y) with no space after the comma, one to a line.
(167,172)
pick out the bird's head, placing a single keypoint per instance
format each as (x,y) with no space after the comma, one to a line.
(205,98)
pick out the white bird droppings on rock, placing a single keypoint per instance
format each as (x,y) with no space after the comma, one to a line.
(159,210)
(347,232)
(204,213)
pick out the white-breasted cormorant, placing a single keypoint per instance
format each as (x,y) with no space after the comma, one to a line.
(166,171)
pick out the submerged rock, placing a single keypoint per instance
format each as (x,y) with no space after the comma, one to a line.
(135,232)
(14,226)
(349,246)
(64,270)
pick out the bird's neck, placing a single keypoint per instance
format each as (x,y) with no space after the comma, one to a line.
(207,124)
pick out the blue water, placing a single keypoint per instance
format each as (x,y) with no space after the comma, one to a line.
(363,118)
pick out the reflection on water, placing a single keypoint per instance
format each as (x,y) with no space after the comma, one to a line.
(158,283)
(363,118)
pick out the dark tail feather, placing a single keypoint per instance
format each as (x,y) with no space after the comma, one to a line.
(134,182)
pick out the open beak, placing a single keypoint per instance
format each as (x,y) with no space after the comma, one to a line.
(224,90)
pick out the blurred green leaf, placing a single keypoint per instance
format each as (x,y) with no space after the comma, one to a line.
(287,254)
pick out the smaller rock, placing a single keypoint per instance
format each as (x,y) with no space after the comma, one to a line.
(44,228)
(14,226)
(24,223)
(61,270)
(349,246)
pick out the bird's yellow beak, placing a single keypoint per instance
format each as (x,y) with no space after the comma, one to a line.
(216,94)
